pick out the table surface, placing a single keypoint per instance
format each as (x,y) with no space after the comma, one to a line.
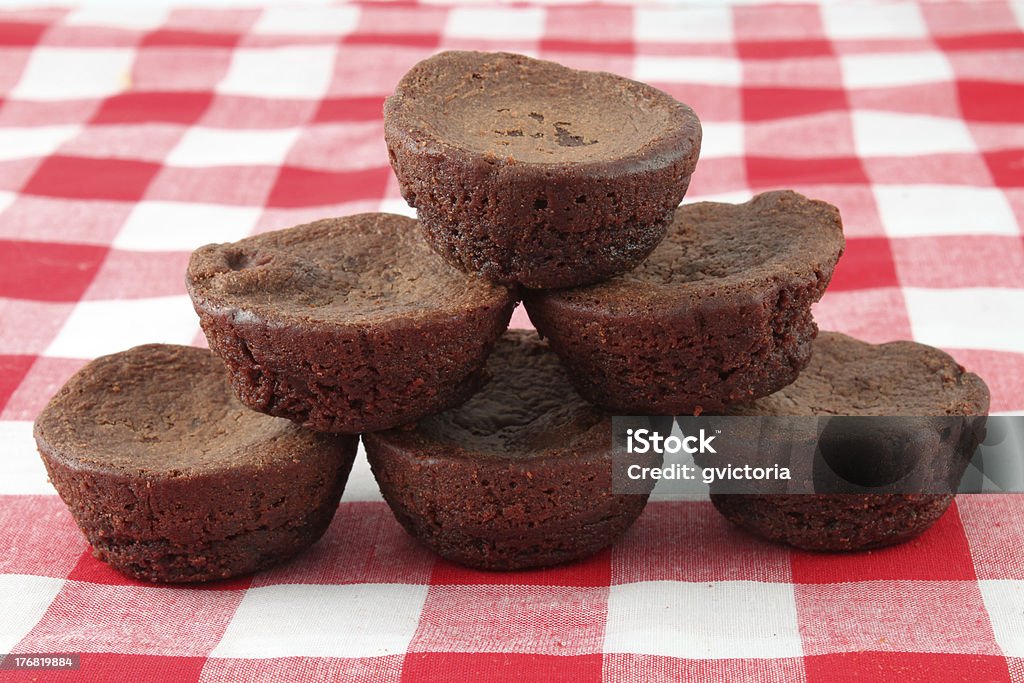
(131,135)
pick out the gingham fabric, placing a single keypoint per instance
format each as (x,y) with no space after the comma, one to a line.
(130,135)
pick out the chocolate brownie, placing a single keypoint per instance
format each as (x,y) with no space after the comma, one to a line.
(519,476)
(347,324)
(916,383)
(171,479)
(720,313)
(527,171)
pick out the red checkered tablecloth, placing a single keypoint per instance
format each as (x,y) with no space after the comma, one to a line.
(130,135)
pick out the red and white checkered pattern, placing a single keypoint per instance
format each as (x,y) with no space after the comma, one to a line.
(129,136)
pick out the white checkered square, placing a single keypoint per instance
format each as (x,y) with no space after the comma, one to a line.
(855,21)
(38,141)
(334,21)
(21,468)
(179,226)
(915,210)
(977,317)
(96,328)
(295,620)
(877,70)
(136,17)
(720,620)
(705,70)
(696,24)
(882,134)
(721,140)
(301,72)
(26,599)
(54,73)
(505,23)
(1004,601)
(203,147)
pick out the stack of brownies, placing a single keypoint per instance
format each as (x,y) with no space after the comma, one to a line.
(532,182)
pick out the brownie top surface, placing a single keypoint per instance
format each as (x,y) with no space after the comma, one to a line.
(847,376)
(512,107)
(162,409)
(368,268)
(527,409)
(713,247)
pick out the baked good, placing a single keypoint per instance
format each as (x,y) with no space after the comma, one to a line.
(720,313)
(347,324)
(518,476)
(171,479)
(909,389)
(528,171)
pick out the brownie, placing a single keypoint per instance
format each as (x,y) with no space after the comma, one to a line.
(171,479)
(519,476)
(900,383)
(720,313)
(347,324)
(527,171)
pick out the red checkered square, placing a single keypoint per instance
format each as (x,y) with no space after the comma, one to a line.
(297,187)
(91,617)
(239,112)
(500,667)
(305,669)
(714,549)
(797,24)
(42,380)
(233,185)
(138,275)
(993,261)
(717,177)
(946,19)
(893,616)
(85,178)
(388,20)
(551,620)
(927,99)
(996,541)
(40,537)
(107,666)
(171,69)
(867,263)
(30,326)
(825,133)
(933,667)
(364,544)
(760,103)
(938,169)
(12,66)
(352,78)
(12,371)
(14,173)
(340,147)
(874,315)
(45,271)
(939,554)
(771,172)
(20,33)
(1006,167)
(818,78)
(333,109)
(623,668)
(149,107)
(984,100)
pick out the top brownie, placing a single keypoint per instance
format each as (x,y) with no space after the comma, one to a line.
(530,172)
